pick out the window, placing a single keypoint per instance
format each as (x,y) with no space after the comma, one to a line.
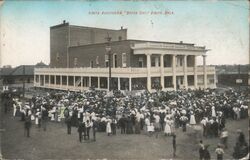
(57,56)
(181,60)
(140,62)
(106,60)
(115,61)
(75,62)
(91,64)
(157,62)
(181,80)
(124,60)
(120,38)
(97,60)
(153,61)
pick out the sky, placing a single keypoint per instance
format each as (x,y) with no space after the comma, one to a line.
(221,26)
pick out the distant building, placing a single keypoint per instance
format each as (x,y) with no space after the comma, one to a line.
(233,75)
(79,60)
(14,77)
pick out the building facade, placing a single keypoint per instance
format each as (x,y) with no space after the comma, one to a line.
(81,61)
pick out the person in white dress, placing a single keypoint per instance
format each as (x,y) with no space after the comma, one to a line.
(147,123)
(108,126)
(213,112)
(192,119)
(167,129)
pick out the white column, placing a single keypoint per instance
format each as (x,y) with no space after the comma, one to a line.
(81,84)
(119,84)
(74,81)
(67,81)
(215,80)
(130,84)
(43,80)
(185,71)
(61,81)
(34,79)
(148,72)
(98,82)
(89,81)
(156,62)
(39,78)
(49,80)
(162,71)
(195,73)
(54,79)
(174,70)
(205,71)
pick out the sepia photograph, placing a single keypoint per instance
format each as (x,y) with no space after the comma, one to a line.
(124,79)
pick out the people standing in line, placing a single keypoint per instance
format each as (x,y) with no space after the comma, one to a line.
(219,152)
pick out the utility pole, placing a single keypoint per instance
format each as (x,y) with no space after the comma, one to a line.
(239,76)
(108,49)
(1,128)
(23,80)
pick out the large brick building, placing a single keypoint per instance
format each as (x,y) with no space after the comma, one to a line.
(79,60)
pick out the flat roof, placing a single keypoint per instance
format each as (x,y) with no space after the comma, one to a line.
(135,40)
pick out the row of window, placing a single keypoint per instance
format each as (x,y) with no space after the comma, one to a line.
(154,63)
(106,59)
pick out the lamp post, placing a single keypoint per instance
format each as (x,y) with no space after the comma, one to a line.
(108,50)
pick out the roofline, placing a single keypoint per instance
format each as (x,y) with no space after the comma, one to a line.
(59,25)
(86,27)
(136,40)
(97,28)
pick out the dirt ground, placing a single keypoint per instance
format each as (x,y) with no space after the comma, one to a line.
(56,144)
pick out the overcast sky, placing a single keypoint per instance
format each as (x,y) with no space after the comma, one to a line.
(222,26)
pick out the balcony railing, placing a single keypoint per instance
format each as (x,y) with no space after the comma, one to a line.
(167,46)
(118,71)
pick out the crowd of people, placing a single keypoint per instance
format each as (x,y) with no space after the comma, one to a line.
(150,112)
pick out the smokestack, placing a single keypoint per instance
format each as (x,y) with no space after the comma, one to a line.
(64,21)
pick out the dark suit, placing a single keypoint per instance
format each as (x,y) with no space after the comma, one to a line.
(68,122)
(27,125)
(122,123)
(81,129)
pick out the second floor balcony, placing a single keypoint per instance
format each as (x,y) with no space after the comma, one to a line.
(121,72)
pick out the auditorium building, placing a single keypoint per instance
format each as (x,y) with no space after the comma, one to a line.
(83,57)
